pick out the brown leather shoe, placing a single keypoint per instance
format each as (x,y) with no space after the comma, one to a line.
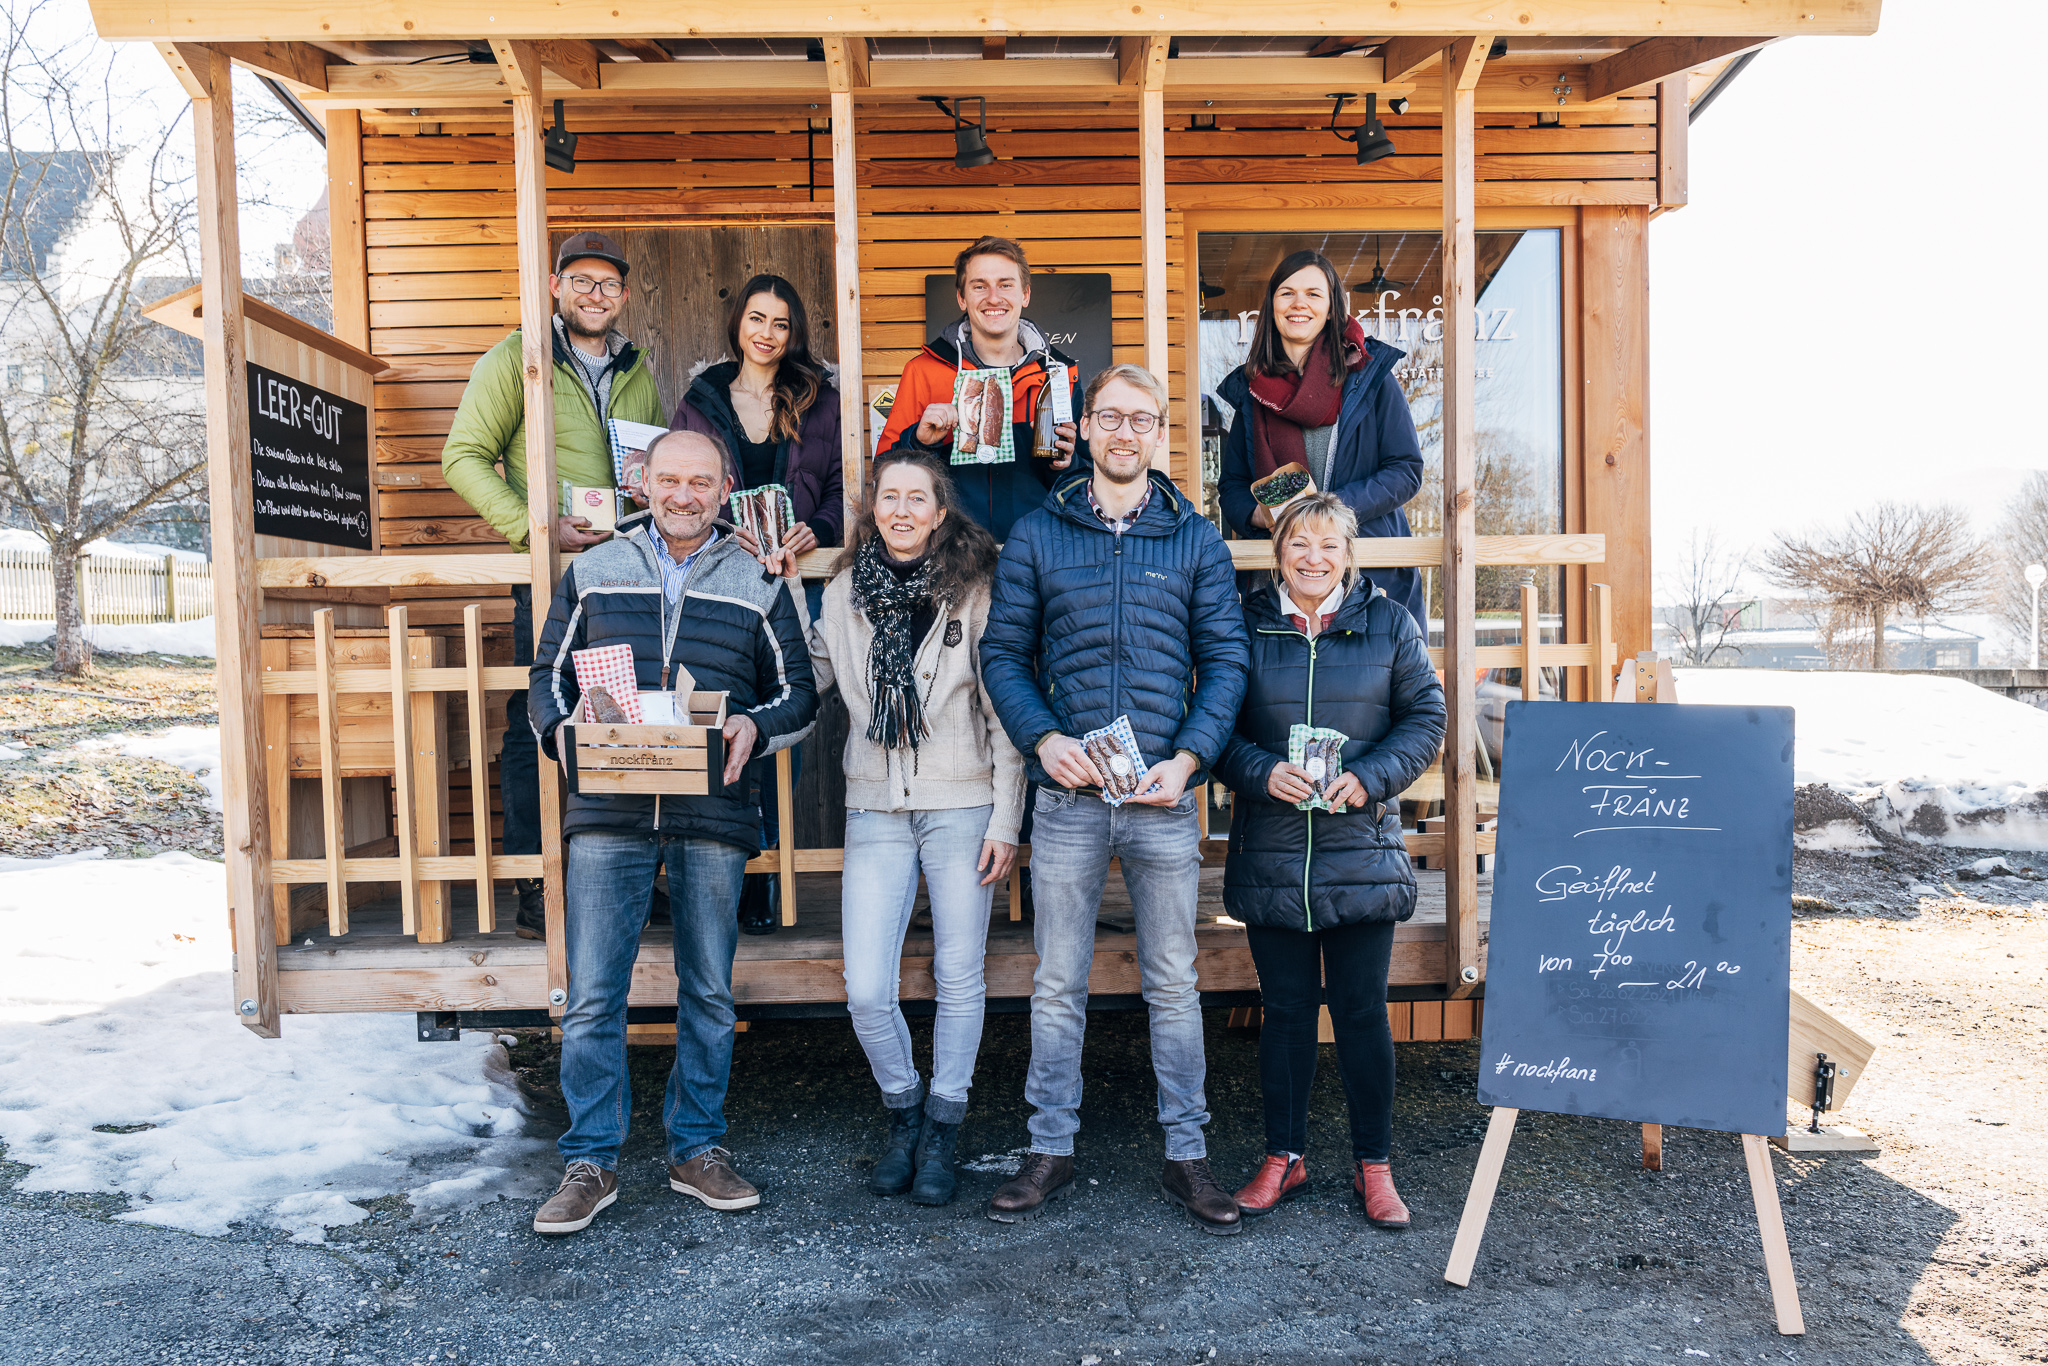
(1374,1187)
(1191,1186)
(586,1188)
(710,1177)
(1025,1195)
(1278,1178)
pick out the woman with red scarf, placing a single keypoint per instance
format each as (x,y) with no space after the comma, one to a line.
(1315,391)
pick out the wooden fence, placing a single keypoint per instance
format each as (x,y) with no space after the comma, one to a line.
(119,590)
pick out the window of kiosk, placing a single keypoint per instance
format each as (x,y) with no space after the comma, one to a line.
(1396,289)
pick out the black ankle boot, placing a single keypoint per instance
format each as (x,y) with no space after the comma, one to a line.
(935,1175)
(532,922)
(898,1163)
(760,903)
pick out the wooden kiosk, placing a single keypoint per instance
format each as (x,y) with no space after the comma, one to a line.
(1179,157)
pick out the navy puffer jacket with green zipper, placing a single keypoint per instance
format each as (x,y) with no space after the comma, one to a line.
(1367,675)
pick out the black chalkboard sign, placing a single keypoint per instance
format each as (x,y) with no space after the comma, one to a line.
(309,458)
(1640,945)
(1071,309)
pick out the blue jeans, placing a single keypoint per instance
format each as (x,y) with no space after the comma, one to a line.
(1074,836)
(884,850)
(610,878)
(519,758)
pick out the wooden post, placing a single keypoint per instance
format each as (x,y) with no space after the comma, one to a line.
(245,814)
(853,427)
(785,839)
(348,259)
(1614,389)
(1770,1223)
(1462,62)
(1532,634)
(332,830)
(170,588)
(1600,676)
(1673,111)
(403,807)
(1152,225)
(521,67)
(479,767)
(1485,1179)
(277,782)
(430,789)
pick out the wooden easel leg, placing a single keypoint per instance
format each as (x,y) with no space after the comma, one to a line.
(1770,1222)
(1653,1147)
(1479,1199)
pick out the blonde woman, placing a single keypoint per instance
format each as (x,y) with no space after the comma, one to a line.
(1321,891)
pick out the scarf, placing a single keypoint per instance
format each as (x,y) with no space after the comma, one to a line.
(1306,398)
(890,602)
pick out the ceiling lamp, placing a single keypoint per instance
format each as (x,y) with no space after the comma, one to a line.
(558,145)
(1379,283)
(1369,137)
(970,140)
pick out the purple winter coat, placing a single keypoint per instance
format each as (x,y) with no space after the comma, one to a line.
(809,466)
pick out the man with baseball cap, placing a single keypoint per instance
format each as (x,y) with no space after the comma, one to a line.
(598,375)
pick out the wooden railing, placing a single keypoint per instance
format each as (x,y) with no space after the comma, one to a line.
(427,915)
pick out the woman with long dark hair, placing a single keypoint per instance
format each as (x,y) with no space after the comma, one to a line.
(1316,391)
(775,409)
(932,784)
(1342,713)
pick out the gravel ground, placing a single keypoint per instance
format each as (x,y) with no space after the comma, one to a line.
(1932,1252)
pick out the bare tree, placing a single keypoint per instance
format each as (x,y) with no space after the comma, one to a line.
(1704,601)
(1895,560)
(2021,540)
(101,419)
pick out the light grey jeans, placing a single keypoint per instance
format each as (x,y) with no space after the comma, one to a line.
(1073,838)
(884,851)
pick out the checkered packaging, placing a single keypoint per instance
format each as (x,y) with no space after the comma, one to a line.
(1114,752)
(609,667)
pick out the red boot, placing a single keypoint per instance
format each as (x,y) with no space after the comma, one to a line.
(1278,1178)
(1374,1187)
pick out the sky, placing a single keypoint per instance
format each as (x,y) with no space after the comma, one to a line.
(1822,333)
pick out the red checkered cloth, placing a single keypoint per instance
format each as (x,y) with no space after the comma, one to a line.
(609,667)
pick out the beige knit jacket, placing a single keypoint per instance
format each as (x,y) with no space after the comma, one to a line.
(967,760)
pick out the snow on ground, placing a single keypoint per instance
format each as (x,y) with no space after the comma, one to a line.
(14,538)
(193,638)
(115,1011)
(1936,759)
(196,749)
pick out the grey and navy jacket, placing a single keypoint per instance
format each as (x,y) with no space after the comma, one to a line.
(739,633)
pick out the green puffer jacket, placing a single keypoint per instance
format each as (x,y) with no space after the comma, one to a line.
(490,426)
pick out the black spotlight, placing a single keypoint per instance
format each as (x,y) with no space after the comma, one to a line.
(1370,137)
(558,145)
(970,140)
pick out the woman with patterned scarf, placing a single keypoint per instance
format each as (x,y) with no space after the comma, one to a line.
(932,784)
(1315,391)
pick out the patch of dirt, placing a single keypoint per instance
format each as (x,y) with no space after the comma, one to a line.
(55,800)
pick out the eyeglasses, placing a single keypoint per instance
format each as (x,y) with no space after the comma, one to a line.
(583,284)
(1110,420)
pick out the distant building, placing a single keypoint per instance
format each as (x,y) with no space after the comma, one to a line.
(1907,645)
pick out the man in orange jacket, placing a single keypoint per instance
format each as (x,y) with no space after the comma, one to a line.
(992,284)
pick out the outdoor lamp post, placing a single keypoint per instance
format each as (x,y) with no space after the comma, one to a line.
(2036,576)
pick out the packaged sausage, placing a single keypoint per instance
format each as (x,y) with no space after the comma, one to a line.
(1320,751)
(1114,752)
(983,435)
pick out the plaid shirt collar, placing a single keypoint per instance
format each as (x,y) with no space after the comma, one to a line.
(673,572)
(1119,525)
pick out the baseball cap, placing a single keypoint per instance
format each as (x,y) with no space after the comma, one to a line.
(582,244)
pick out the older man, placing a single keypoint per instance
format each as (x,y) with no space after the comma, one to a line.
(683,592)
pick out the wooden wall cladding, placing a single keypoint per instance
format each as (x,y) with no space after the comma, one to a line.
(443,285)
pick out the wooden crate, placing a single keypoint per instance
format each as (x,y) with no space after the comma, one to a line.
(678,760)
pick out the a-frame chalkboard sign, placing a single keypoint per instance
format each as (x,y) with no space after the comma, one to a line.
(1640,950)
